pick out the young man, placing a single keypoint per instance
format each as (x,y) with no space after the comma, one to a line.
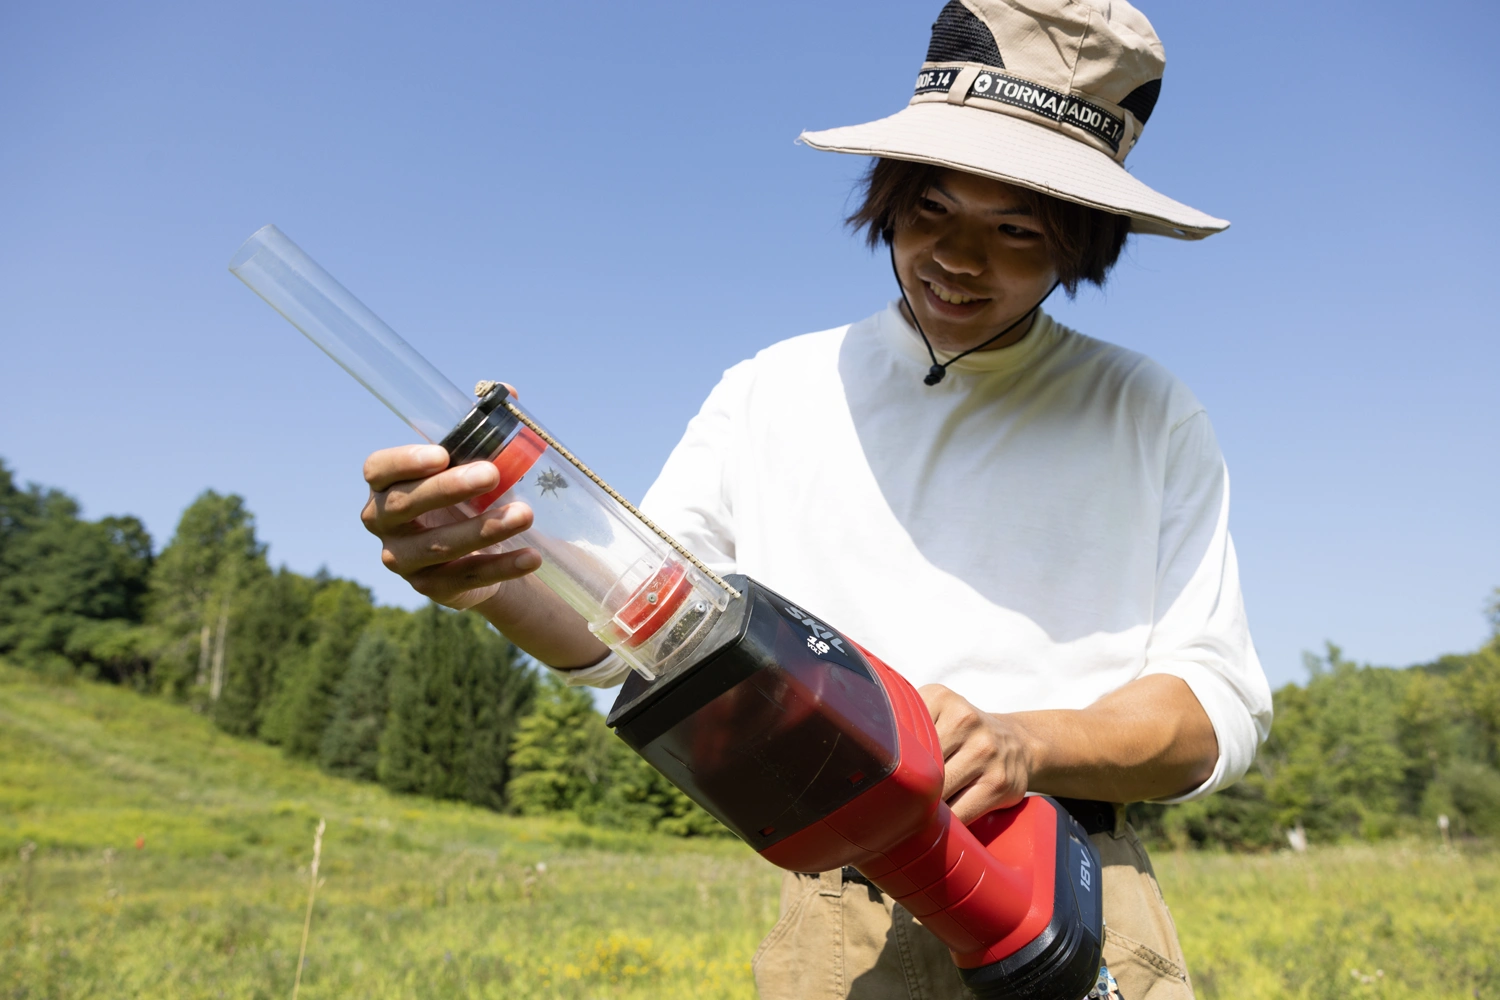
(1029,523)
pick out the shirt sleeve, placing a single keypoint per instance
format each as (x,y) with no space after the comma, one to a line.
(605,674)
(691,500)
(693,497)
(1200,633)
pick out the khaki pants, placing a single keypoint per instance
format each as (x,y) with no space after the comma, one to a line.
(839,939)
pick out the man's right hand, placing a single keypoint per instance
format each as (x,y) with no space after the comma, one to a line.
(444,554)
(453,558)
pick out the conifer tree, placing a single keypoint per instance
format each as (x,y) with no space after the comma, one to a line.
(639,797)
(563,754)
(302,705)
(351,744)
(499,692)
(567,760)
(417,742)
(272,626)
(454,701)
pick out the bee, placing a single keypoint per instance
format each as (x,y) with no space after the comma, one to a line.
(551,481)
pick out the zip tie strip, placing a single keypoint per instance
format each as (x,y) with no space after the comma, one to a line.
(557,446)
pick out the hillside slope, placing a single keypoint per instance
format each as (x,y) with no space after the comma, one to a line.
(419,899)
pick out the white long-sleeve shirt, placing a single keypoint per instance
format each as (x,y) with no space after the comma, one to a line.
(1047,524)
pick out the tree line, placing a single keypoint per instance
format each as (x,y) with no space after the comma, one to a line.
(1363,752)
(439,704)
(430,702)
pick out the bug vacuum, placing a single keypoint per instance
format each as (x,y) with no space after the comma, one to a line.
(806,746)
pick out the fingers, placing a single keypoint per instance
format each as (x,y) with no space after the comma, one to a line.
(952,715)
(981,798)
(981,778)
(985,759)
(401,501)
(981,761)
(447,581)
(444,554)
(409,553)
(389,466)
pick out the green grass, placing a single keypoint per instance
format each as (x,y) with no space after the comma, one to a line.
(422,899)
(418,899)
(1392,920)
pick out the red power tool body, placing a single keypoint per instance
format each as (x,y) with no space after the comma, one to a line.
(820,756)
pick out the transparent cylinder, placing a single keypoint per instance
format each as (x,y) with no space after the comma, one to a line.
(639,595)
(295,285)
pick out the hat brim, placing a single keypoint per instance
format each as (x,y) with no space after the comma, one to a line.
(1018,152)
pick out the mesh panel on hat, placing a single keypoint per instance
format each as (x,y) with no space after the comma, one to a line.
(959,36)
(1142,100)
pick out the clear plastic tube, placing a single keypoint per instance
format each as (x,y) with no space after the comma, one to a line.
(295,285)
(638,595)
(637,592)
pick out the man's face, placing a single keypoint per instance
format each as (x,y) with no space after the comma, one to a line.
(973,261)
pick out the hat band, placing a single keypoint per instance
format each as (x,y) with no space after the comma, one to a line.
(993,90)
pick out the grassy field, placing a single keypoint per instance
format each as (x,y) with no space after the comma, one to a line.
(142,854)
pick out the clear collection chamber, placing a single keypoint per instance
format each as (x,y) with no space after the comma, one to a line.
(642,594)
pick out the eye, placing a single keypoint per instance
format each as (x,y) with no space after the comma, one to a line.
(928,205)
(1019,232)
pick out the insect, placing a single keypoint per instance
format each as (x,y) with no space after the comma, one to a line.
(551,481)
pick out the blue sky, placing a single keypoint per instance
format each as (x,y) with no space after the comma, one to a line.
(603,204)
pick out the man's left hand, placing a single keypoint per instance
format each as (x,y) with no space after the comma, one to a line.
(988,759)
(1149,739)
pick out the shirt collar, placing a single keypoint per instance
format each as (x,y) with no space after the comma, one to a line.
(903,338)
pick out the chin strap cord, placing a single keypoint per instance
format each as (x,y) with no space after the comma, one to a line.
(939,369)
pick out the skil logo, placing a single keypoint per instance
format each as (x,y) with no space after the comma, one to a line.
(823,638)
(1049,104)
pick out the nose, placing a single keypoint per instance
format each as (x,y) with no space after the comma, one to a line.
(960,250)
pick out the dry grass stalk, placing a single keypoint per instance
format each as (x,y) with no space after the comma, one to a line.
(28,849)
(312,892)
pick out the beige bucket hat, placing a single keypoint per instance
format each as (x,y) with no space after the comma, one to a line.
(1050,95)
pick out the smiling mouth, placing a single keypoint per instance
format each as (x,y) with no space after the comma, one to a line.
(952,298)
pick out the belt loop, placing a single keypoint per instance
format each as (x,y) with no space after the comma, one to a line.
(1120,824)
(831,883)
(961,84)
(1128,140)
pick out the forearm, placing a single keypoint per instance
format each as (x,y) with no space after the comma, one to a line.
(1150,739)
(538,621)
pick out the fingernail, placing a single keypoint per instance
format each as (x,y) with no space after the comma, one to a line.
(528,560)
(431,454)
(479,474)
